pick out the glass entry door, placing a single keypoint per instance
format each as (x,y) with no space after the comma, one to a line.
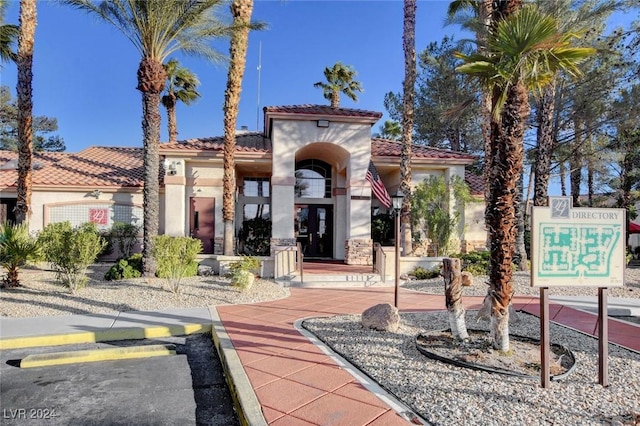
(314,229)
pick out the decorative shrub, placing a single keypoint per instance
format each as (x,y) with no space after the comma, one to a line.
(243,272)
(126,236)
(382,228)
(475,262)
(17,247)
(175,258)
(125,268)
(255,236)
(424,274)
(70,251)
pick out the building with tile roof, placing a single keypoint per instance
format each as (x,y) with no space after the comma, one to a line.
(305,174)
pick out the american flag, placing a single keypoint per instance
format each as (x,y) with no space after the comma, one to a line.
(377,187)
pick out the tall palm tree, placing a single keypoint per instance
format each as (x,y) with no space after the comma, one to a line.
(24,61)
(241,11)
(409,48)
(524,51)
(158,28)
(8,35)
(182,85)
(340,79)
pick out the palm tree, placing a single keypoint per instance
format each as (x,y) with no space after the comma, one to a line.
(158,28)
(340,79)
(524,51)
(8,36)
(391,130)
(241,11)
(182,86)
(409,48)
(24,61)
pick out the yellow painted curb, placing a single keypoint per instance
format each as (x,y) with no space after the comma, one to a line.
(95,355)
(103,336)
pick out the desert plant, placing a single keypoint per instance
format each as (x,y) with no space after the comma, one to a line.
(424,274)
(175,258)
(126,236)
(255,236)
(243,272)
(17,247)
(70,251)
(125,268)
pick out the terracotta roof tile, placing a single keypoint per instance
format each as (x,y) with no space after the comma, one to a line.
(245,142)
(94,166)
(309,109)
(388,148)
(475,182)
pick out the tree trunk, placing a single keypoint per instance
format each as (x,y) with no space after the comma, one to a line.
(590,170)
(408,88)
(507,147)
(28,19)
(453,297)
(335,99)
(151,80)
(575,163)
(241,11)
(545,144)
(521,248)
(172,127)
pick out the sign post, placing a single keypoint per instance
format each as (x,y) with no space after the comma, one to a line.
(576,247)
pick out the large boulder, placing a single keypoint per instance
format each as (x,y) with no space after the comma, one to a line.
(467,278)
(383,317)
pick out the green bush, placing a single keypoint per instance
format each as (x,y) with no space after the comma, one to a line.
(255,236)
(17,247)
(70,251)
(424,274)
(243,272)
(475,262)
(125,268)
(175,258)
(126,236)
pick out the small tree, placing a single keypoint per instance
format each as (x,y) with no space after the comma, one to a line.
(243,272)
(126,235)
(432,209)
(175,257)
(17,247)
(70,251)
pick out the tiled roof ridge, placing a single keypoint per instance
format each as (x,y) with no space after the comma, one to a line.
(325,108)
(413,144)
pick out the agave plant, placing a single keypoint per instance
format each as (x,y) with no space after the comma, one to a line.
(17,247)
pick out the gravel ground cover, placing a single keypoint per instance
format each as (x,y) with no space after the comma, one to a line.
(41,295)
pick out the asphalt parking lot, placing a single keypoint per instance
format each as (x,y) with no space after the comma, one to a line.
(188,388)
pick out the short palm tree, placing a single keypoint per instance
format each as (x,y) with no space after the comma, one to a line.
(158,28)
(17,248)
(8,36)
(340,79)
(182,85)
(524,52)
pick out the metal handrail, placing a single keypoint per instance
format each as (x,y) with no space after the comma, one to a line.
(381,261)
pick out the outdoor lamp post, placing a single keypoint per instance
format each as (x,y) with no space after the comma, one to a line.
(397,206)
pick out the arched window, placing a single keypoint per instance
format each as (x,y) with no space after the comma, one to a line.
(313,179)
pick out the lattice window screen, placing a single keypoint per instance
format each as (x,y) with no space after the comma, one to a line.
(103,215)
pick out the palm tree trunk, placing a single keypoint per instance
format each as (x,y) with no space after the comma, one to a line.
(508,151)
(335,99)
(151,79)
(172,127)
(453,297)
(521,249)
(409,47)
(546,142)
(28,19)
(241,11)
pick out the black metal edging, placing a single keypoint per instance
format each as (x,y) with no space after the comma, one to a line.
(478,367)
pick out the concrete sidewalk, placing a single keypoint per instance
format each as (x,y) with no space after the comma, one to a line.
(616,306)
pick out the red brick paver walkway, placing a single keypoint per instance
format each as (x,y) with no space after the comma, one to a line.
(297,384)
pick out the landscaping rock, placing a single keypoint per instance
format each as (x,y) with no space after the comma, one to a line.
(206,271)
(467,279)
(383,317)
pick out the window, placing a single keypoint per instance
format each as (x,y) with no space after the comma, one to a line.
(313,179)
(103,215)
(255,211)
(256,187)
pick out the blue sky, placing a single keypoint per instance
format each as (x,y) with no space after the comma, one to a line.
(85,72)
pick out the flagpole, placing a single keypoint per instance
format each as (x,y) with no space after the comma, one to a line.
(258,99)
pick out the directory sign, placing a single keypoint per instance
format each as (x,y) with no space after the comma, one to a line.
(577,246)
